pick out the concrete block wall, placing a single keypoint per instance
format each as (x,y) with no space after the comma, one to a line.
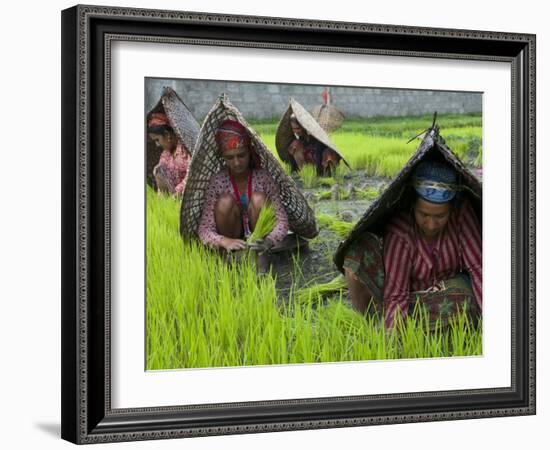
(263,101)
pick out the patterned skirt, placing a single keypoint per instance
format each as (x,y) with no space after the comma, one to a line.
(365,259)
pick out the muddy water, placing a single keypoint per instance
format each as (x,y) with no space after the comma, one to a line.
(314,264)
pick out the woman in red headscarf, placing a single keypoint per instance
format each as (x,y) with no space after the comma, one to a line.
(171,171)
(237,193)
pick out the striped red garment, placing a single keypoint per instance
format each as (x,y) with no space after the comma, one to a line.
(410,267)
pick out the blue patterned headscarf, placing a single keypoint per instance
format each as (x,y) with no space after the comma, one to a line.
(435,182)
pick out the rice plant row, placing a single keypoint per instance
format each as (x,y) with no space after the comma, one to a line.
(379,146)
(205,311)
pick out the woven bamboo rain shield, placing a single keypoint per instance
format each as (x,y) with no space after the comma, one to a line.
(327,115)
(182,122)
(285,136)
(207,162)
(432,147)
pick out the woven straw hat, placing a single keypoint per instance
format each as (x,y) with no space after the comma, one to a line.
(206,162)
(329,117)
(182,122)
(285,136)
(432,148)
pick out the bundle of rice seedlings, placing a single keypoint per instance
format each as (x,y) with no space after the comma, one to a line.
(324,220)
(308,174)
(367,194)
(265,224)
(287,168)
(324,195)
(318,291)
(326,181)
(340,227)
(338,173)
(344,195)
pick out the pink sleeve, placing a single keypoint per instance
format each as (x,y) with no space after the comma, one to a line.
(397,263)
(164,158)
(272,192)
(183,170)
(207,226)
(471,248)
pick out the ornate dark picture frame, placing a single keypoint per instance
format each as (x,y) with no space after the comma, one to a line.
(87,35)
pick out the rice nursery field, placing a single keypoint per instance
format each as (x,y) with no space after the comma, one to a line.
(204,309)
(379,146)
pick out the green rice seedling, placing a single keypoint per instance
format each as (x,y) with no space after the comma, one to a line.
(265,224)
(340,227)
(339,172)
(297,273)
(308,174)
(479,158)
(368,153)
(317,291)
(461,330)
(265,126)
(464,141)
(324,195)
(413,330)
(203,311)
(365,143)
(326,181)
(343,194)
(324,220)
(336,193)
(367,194)
(460,148)
(462,132)
(287,168)
(406,127)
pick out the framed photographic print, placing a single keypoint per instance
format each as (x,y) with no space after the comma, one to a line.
(282,224)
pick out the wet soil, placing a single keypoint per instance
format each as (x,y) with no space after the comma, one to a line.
(313,263)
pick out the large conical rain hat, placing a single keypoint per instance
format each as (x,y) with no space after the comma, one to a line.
(207,162)
(327,115)
(393,199)
(182,122)
(285,136)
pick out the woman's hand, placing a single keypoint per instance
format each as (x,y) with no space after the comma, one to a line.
(296,147)
(260,245)
(232,244)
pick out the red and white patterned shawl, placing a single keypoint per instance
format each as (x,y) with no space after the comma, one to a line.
(410,265)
